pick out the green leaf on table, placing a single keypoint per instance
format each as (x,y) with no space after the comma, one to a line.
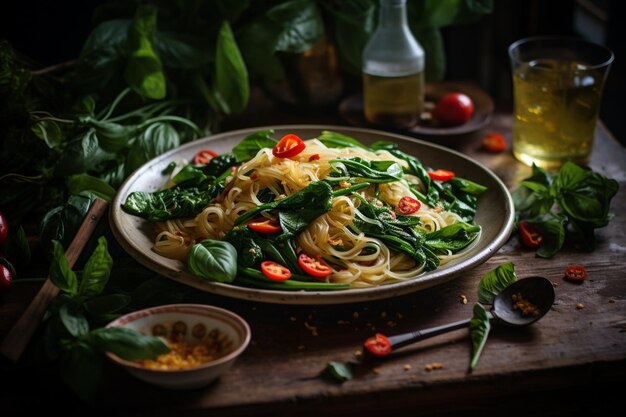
(231,76)
(86,183)
(97,271)
(341,371)
(144,71)
(81,370)
(106,304)
(495,281)
(156,139)
(252,144)
(479,331)
(533,194)
(60,273)
(552,228)
(75,322)
(127,343)
(214,260)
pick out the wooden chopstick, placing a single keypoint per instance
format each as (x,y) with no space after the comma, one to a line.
(18,337)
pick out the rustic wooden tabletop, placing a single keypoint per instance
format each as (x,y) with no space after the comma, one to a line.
(569,363)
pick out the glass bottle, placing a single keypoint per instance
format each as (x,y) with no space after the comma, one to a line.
(393,70)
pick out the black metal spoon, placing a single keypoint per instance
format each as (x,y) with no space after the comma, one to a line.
(537,290)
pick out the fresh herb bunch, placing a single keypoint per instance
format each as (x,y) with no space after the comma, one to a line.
(568,205)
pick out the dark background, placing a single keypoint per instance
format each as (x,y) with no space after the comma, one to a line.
(53,32)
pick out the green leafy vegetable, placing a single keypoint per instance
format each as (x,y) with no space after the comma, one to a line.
(97,271)
(358,169)
(127,343)
(231,78)
(453,237)
(252,144)
(214,260)
(75,323)
(479,331)
(341,371)
(171,203)
(60,273)
(495,281)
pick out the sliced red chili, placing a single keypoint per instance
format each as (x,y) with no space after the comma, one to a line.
(290,145)
(408,205)
(316,267)
(441,175)
(204,156)
(314,157)
(494,142)
(275,271)
(263,225)
(378,345)
(531,237)
(575,273)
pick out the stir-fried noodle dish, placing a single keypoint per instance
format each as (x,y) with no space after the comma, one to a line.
(326,213)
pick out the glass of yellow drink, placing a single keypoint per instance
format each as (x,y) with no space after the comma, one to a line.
(557,90)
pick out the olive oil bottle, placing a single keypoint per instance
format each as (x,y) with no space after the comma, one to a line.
(393,70)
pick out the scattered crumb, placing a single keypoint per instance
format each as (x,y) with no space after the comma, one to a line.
(580,306)
(433,366)
(358,353)
(313,329)
(355,314)
(611,300)
(292,318)
(343,322)
(407,367)
(555,284)
(463,299)
(376,370)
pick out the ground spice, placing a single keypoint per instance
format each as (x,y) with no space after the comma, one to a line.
(526,307)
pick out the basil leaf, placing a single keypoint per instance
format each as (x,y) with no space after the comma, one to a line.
(75,323)
(552,229)
(127,343)
(300,22)
(97,271)
(156,139)
(231,75)
(495,281)
(479,331)
(340,371)
(61,223)
(50,132)
(252,144)
(86,183)
(215,260)
(81,370)
(60,273)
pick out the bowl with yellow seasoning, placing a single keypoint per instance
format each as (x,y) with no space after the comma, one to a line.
(204,343)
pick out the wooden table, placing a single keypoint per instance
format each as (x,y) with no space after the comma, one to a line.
(566,364)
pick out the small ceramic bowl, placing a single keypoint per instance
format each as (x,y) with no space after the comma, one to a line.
(193,321)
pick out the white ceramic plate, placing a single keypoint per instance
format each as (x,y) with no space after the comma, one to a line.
(495,214)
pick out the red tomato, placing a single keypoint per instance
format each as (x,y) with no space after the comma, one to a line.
(378,345)
(441,175)
(575,273)
(531,237)
(408,205)
(263,225)
(4,229)
(5,278)
(494,142)
(290,145)
(316,267)
(454,109)
(274,271)
(204,156)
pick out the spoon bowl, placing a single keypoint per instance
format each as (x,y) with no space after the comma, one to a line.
(538,291)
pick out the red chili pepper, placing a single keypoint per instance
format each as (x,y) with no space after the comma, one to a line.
(316,267)
(408,205)
(290,145)
(275,271)
(531,237)
(378,345)
(204,156)
(441,175)
(494,142)
(314,157)
(264,225)
(575,273)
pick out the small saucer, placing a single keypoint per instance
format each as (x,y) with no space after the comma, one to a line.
(351,110)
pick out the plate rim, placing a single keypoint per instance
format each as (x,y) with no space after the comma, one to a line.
(432,278)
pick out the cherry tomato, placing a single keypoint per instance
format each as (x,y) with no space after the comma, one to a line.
(575,273)
(274,271)
(531,237)
(494,142)
(454,109)
(204,156)
(441,175)
(290,145)
(378,345)
(4,229)
(408,205)
(316,267)
(263,225)
(5,278)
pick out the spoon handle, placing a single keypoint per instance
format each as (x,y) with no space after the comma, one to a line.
(404,339)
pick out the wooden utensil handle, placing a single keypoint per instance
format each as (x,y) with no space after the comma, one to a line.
(18,337)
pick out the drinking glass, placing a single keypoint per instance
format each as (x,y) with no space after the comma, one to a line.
(557,90)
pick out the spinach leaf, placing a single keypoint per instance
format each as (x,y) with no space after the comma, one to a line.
(144,71)
(97,271)
(249,252)
(60,273)
(453,237)
(127,343)
(231,75)
(359,169)
(495,281)
(171,203)
(338,140)
(220,164)
(479,331)
(215,260)
(252,144)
